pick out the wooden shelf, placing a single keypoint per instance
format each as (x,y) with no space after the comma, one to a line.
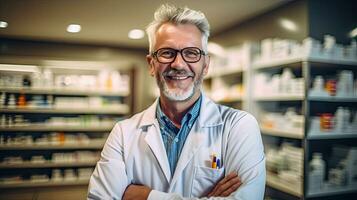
(29,184)
(284,186)
(48,127)
(28,164)
(282,133)
(65,91)
(333,191)
(120,109)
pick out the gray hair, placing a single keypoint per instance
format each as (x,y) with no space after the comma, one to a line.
(168,13)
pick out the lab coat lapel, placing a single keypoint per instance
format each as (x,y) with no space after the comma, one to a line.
(154,140)
(209,117)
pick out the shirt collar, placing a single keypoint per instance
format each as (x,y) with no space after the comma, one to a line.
(212,114)
(189,117)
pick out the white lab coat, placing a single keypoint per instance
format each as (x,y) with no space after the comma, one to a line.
(134,153)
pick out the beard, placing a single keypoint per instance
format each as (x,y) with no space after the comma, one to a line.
(178,93)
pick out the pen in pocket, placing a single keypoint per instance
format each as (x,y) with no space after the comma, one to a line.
(216,162)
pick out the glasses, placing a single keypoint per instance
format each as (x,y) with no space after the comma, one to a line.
(168,55)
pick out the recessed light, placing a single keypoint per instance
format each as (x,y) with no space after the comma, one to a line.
(3,24)
(353,33)
(73,28)
(136,34)
(288,24)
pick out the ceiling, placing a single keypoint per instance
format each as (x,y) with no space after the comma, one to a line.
(107,22)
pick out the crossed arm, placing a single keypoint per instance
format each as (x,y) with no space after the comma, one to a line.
(224,188)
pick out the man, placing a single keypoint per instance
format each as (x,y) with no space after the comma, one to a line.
(184,146)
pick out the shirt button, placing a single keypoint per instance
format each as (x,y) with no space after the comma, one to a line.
(176,139)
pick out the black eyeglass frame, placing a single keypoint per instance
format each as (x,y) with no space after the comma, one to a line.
(201,53)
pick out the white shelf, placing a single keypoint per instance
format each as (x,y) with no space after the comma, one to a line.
(282,133)
(333,98)
(259,64)
(29,184)
(27,164)
(91,145)
(280,97)
(64,91)
(333,191)
(314,135)
(118,109)
(48,127)
(218,72)
(284,186)
(330,61)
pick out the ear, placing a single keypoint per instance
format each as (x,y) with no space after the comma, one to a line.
(150,61)
(206,65)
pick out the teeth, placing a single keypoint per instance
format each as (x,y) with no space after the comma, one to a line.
(179,77)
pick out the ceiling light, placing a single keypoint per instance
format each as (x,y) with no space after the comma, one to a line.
(136,34)
(73,28)
(3,24)
(353,33)
(288,25)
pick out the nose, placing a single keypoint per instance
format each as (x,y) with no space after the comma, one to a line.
(179,62)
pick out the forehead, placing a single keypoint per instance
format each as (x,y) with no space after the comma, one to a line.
(178,36)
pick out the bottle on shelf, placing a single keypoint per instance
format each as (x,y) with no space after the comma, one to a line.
(12,101)
(2,99)
(21,100)
(317,172)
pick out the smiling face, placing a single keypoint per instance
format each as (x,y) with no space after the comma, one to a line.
(178,80)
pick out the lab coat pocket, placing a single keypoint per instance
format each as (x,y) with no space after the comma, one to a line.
(205,179)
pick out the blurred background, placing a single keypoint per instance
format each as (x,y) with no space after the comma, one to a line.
(70,69)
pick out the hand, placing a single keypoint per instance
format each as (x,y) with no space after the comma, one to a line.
(226,186)
(136,192)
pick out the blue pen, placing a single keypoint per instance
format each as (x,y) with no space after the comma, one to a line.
(218,163)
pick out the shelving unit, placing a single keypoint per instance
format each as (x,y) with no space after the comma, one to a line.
(224,78)
(61,125)
(309,105)
(296,103)
(227,80)
(275,102)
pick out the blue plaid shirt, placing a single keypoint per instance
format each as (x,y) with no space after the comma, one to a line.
(173,137)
